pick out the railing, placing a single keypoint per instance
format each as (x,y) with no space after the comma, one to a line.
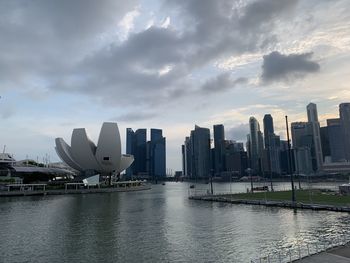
(302,250)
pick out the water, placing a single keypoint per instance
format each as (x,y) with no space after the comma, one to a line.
(159,225)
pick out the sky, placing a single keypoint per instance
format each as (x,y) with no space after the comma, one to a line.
(166,64)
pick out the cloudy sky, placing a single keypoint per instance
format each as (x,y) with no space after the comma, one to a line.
(166,64)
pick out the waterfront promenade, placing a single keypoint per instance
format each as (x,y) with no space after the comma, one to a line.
(336,255)
(315,200)
(71,188)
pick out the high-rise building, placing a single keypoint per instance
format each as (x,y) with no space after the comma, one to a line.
(130,149)
(326,151)
(256,145)
(140,167)
(157,154)
(336,142)
(344,114)
(316,151)
(236,159)
(272,146)
(150,157)
(200,139)
(303,141)
(268,128)
(219,148)
(187,157)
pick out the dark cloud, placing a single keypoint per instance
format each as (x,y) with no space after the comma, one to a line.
(222,83)
(238,133)
(277,66)
(56,44)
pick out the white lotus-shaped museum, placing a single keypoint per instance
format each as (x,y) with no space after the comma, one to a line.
(84,156)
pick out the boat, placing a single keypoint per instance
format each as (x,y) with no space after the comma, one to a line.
(192,186)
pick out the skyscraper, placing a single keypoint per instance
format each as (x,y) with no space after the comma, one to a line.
(336,141)
(272,146)
(140,167)
(255,144)
(157,160)
(303,141)
(344,114)
(130,149)
(316,150)
(268,128)
(200,139)
(219,148)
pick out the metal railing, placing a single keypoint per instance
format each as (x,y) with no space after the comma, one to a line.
(302,250)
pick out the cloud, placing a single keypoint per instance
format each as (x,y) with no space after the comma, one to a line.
(67,51)
(221,83)
(277,66)
(135,116)
(238,133)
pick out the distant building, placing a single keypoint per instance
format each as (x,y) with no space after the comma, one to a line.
(219,148)
(272,147)
(336,141)
(326,150)
(256,145)
(344,114)
(197,154)
(316,151)
(150,156)
(303,141)
(157,165)
(140,154)
(236,158)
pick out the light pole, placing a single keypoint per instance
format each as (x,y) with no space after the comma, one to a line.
(290,162)
(249,171)
(211,181)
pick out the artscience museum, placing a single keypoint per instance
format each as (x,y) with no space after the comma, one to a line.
(89,159)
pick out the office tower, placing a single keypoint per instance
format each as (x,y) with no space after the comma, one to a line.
(303,145)
(130,149)
(268,128)
(326,151)
(336,142)
(183,154)
(140,152)
(272,146)
(284,164)
(219,148)
(188,158)
(344,114)
(236,158)
(200,139)
(256,145)
(316,150)
(157,154)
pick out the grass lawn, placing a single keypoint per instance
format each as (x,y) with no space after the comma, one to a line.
(302,196)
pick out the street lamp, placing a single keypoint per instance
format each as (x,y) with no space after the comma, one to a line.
(290,162)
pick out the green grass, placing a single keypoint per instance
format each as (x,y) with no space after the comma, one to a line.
(302,196)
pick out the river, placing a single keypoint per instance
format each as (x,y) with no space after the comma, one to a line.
(157,225)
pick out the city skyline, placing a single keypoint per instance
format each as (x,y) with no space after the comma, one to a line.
(143,64)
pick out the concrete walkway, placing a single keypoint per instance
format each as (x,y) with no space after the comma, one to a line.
(335,255)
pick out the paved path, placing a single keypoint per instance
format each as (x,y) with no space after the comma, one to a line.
(336,255)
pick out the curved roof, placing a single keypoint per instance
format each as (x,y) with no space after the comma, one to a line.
(108,152)
(63,150)
(83,155)
(83,150)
